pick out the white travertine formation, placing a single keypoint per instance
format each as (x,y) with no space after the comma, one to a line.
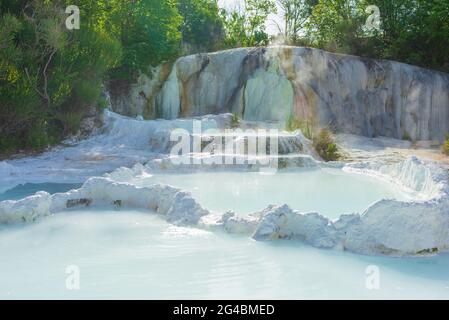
(25,210)
(389,227)
(176,206)
(354,95)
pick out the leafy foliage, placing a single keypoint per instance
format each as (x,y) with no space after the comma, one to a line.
(235,120)
(47,72)
(446,146)
(322,139)
(148,31)
(406,136)
(202,27)
(411,31)
(50,76)
(305,126)
(295,15)
(246,28)
(325,146)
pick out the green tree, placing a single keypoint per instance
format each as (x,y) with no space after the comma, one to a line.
(411,31)
(149,31)
(246,28)
(417,32)
(336,25)
(50,76)
(202,28)
(295,15)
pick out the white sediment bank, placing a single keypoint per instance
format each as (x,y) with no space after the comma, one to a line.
(123,141)
(175,205)
(389,227)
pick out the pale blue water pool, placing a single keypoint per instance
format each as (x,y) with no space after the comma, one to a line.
(134,254)
(24,190)
(131,254)
(331,192)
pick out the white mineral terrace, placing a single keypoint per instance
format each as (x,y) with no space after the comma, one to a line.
(136,221)
(409,217)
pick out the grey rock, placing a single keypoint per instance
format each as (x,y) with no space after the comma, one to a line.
(350,94)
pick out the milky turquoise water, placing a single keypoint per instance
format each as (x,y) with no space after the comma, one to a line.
(24,190)
(134,254)
(131,254)
(330,192)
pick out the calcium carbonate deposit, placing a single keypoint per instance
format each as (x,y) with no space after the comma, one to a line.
(376,202)
(388,227)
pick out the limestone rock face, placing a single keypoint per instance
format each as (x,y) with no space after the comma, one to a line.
(351,94)
(134,100)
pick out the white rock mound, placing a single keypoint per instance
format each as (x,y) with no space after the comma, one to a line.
(176,206)
(356,95)
(25,210)
(389,227)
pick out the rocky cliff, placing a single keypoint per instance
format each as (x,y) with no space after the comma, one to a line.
(350,94)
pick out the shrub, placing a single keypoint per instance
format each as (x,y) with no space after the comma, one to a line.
(235,120)
(446,145)
(325,146)
(52,76)
(305,126)
(37,135)
(406,136)
(282,163)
